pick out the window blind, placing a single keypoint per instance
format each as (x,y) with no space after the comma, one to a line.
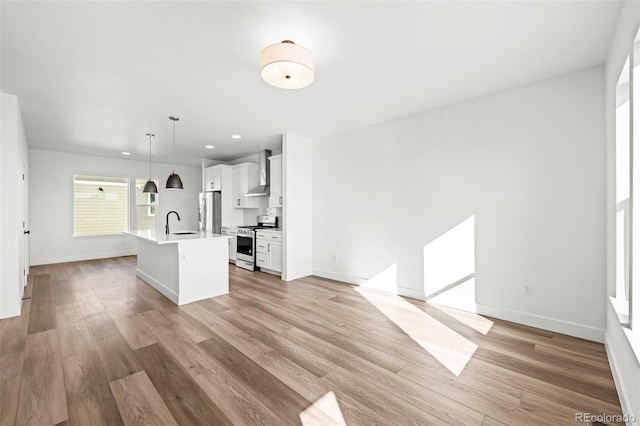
(100,205)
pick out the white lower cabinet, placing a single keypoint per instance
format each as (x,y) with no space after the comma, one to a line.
(269,250)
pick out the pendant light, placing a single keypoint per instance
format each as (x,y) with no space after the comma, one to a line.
(174,181)
(150,187)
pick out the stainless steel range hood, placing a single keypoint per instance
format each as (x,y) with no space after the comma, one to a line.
(263,189)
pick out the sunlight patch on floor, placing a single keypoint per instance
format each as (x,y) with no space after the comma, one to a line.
(450,348)
(325,411)
(468,318)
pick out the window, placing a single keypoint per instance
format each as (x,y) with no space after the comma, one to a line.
(627,116)
(146,207)
(633,294)
(623,191)
(100,205)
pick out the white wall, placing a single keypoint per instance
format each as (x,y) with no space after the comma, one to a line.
(522,169)
(296,211)
(51,210)
(13,155)
(624,363)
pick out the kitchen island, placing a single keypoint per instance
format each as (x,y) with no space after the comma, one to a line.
(185,267)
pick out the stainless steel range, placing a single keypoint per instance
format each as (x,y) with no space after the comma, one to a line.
(246,251)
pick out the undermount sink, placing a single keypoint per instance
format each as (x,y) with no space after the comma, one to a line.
(184,233)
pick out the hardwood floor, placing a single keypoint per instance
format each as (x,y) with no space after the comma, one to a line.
(95,345)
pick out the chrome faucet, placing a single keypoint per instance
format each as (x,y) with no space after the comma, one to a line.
(166,227)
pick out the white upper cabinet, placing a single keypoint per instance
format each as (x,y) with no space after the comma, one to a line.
(245,178)
(213,178)
(275,197)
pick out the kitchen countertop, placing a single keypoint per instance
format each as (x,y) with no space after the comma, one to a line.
(270,230)
(163,238)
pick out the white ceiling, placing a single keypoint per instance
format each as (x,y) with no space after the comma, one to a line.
(94,77)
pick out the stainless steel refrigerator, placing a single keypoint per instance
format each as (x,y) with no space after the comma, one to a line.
(209,213)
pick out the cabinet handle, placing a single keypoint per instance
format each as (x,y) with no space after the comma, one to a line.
(274,237)
(280,200)
(269,248)
(238,201)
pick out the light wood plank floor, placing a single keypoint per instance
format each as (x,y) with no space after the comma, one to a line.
(95,345)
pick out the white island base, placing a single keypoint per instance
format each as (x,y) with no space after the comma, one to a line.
(185,268)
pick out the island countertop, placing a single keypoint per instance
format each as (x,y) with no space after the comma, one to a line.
(162,238)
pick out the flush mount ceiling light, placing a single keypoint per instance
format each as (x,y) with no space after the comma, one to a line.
(150,187)
(174,181)
(236,137)
(209,146)
(125,153)
(287,65)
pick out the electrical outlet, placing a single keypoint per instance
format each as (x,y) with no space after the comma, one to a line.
(334,258)
(528,290)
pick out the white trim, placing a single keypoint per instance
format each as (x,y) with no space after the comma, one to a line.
(351,279)
(76,258)
(11,311)
(633,337)
(411,293)
(294,275)
(545,323)
(533,320)
(158,286)
(615,372)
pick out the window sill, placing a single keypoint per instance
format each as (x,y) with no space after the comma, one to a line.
(83,237)
(621,308)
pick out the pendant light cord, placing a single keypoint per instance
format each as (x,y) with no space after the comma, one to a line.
(151,135)
(174,119)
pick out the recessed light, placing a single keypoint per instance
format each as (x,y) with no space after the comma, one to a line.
(236,137)
(209,146)
(125,153)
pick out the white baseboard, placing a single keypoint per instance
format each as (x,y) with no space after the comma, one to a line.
(294,275)
(615,372)
(155,284)
(551,324)
(339,277)
(546,323)
(411,293)
(8,311)
(80,257)
(402,291)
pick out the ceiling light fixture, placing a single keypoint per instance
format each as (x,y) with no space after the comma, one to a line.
(236,137)
(150,187)
(209,146)
(287,65)
(174,181)
(125,153)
